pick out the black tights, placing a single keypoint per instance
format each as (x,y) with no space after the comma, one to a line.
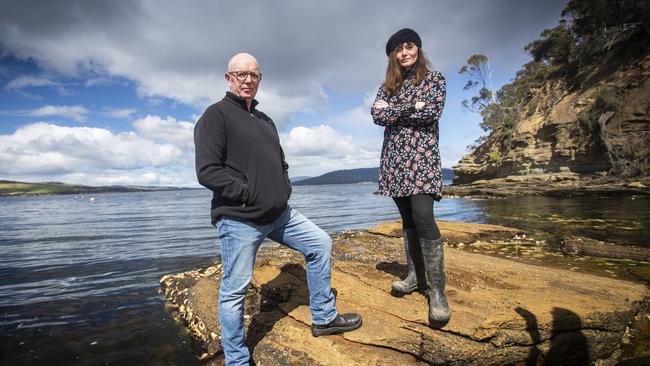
(417,213)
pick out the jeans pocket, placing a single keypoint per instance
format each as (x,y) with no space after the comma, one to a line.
(220,225)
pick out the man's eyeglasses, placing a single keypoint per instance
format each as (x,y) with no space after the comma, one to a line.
(242,75)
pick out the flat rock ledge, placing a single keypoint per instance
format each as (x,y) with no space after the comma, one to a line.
(503,312)
(553,185)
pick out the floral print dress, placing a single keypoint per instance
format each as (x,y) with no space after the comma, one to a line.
(410,156)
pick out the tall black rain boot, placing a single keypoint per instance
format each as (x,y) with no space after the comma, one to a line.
(416,277)
(439,313)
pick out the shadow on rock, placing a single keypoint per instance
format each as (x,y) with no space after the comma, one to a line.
(278,297)
(533,329)
(394,268)
(568,344)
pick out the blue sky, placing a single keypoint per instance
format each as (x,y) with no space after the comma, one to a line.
(107,92)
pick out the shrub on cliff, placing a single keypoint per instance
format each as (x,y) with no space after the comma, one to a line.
(592,40)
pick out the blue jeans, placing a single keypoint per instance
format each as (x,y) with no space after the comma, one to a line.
(240,240)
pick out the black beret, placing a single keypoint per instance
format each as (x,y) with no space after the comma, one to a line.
(402,36)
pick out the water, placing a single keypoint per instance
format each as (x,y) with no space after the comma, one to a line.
(79,275)
(621,220)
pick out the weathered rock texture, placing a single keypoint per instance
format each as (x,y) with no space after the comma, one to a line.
(503,312)
(553,185)
(562,130)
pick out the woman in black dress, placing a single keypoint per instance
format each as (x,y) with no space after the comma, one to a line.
(409,104)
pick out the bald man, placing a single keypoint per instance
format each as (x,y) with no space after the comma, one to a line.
(239,158)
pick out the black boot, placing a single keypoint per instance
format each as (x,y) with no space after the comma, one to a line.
(342,323)
(439,313)
(416,277)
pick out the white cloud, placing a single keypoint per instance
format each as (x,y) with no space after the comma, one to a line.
(139,177)
(281,107)
(317,141)
(119,112)
(43,148)
(358,116)
(23,82)
(318,150)
(26,81)
(75,112)
(99,81)
(166,130)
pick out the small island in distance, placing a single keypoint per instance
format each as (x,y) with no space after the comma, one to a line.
(12,188)
(353,176)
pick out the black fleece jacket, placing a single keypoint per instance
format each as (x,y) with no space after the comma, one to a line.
(239,158)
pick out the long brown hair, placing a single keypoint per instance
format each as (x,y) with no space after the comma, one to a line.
(395,73)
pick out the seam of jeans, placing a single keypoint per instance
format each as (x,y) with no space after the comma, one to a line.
(224,239)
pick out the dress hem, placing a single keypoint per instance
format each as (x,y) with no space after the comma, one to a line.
(436,196)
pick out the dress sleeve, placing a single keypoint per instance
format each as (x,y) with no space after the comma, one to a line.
(432,91)
(390,115)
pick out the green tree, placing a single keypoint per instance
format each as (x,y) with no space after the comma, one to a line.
(598,17)
(556,47)
(479,76)
(600,25)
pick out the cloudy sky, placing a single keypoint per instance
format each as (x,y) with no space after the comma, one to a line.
(107,92)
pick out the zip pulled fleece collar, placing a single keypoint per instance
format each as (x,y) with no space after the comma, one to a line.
(236,99)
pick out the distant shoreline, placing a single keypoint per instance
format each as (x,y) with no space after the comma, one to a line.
(545,185)
(21,189)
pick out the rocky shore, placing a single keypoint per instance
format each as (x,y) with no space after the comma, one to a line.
(555,185)
(504,310)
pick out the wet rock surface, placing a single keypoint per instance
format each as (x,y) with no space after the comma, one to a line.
(503,311)
(552,185)
(585,246)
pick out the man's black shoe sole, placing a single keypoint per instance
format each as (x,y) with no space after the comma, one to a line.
(335,330)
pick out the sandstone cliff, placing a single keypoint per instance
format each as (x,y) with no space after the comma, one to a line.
(601,127)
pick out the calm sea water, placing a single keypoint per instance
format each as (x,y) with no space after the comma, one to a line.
(79,274)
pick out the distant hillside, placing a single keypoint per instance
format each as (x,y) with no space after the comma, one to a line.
(298,178)
(11,188)
(342,177)
(355,176)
